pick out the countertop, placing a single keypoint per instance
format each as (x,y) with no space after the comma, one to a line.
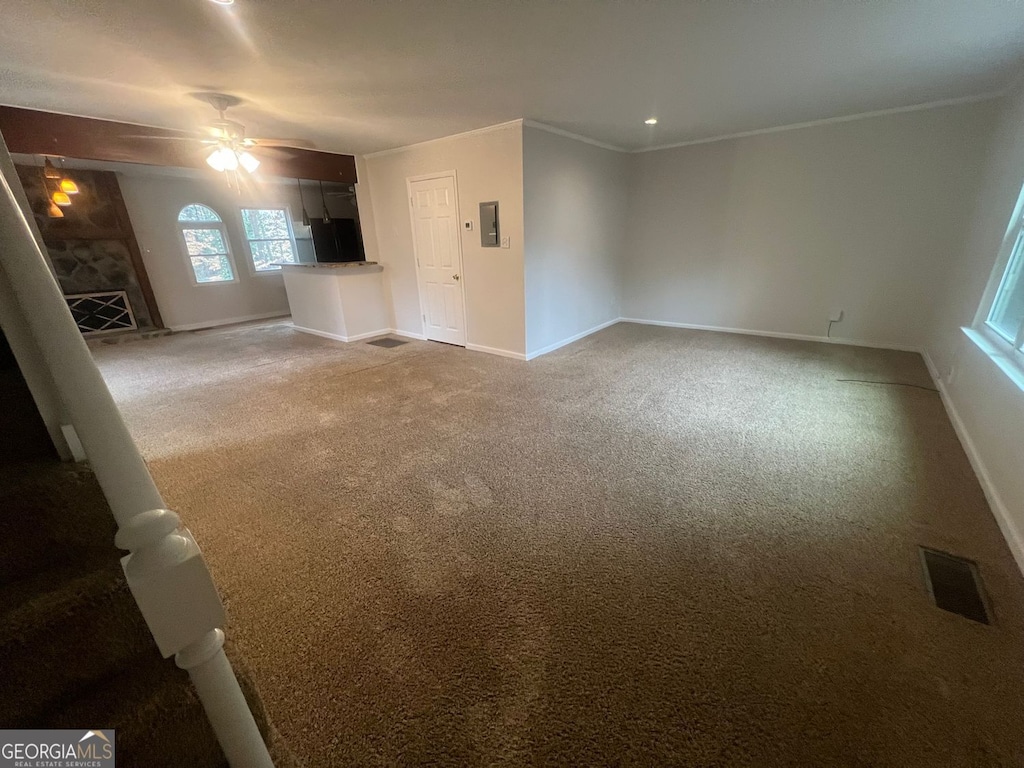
(332,265)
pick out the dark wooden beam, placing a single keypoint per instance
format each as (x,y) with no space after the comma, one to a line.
(33,132)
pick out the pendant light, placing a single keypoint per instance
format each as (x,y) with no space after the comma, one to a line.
(327,215)
(50,170)
(52,209)
(67,186)
(302,201)
(61,198)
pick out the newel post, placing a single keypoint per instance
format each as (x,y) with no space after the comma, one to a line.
(175,592)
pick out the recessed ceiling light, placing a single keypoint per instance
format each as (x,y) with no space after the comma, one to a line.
(648,121)
(223,2)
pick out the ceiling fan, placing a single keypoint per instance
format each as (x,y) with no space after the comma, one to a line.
(229,146)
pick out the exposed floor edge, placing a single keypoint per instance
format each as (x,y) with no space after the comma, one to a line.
(1013,537)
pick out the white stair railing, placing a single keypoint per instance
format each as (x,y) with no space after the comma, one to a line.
(165,569)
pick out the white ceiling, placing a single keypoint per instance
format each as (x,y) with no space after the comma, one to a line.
(374,74)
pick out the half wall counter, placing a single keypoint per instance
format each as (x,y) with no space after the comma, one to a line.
(343,301)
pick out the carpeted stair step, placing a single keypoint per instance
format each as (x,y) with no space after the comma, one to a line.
(151,704)
(64,638)
(75,650)
(53,516)
(158,716)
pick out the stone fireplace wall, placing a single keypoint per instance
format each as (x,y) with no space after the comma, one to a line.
(93,248)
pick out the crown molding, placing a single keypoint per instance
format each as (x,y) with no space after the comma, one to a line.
(832,120)
(439,139)
(569,135)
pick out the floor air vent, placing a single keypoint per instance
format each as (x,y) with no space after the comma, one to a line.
(386,343)
(954,584)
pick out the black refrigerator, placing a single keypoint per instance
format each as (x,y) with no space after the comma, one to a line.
(336,240)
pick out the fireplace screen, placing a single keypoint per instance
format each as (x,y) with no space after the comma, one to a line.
(102,312)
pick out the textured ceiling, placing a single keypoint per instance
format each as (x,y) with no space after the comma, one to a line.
(364,76)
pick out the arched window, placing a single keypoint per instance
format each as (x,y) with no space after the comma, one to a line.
(206,244)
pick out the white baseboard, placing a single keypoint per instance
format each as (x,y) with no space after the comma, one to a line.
(776,334)
(571,339)
(1012,535)
(227,321)
(339,337)
(408,334)
(495,351)
(369,335)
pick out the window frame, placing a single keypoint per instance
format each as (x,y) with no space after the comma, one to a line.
(248,243)
(985,335)
(1013,270)
(221,225)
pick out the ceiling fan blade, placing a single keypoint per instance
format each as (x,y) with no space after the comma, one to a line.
(292,143)
(141,137)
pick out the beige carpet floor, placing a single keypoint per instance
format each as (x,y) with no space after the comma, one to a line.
(652,547)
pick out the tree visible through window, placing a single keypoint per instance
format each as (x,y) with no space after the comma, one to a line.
(270,238)
(1007,315)
(206,244)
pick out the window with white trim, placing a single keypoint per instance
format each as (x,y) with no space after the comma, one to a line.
(206,244)
(269,234)
(1006,317)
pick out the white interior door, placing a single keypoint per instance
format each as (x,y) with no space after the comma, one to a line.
(435,233)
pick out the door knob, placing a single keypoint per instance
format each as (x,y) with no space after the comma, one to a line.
(455,277)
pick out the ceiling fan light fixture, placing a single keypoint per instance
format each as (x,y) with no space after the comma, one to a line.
(248,162)
(214,160)
(68,187)
(223,159)
(61,199)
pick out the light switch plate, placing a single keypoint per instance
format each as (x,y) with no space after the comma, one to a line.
(468,225)
(506,242)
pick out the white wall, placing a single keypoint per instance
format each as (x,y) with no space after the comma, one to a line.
(489,167)
(154,197)
(771,232)
(576,203)
(986,405)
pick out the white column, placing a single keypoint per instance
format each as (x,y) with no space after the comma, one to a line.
(177,597)
(225,705)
